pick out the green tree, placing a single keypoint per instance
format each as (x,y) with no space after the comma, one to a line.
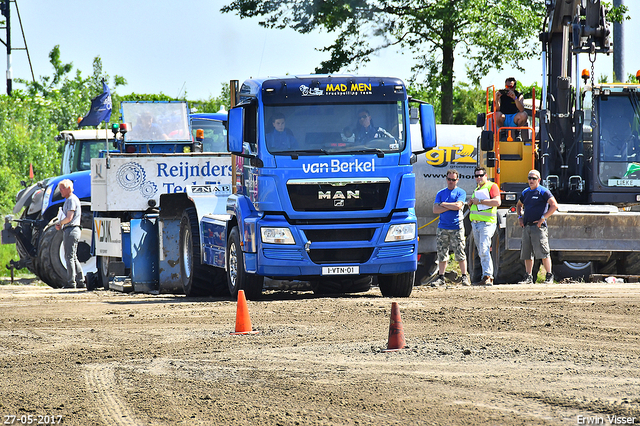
(486,33)
(213,104)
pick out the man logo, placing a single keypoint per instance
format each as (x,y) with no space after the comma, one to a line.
(338,203)
(339,195)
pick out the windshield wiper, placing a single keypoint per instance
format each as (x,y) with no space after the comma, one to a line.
(294,154)
(378,151)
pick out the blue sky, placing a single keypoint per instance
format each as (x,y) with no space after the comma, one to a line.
(177,46)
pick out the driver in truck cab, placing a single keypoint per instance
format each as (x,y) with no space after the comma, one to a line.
(280,138)
(365,130)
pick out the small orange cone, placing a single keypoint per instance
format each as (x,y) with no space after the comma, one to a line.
(31,171)
(243,322)
(396,333)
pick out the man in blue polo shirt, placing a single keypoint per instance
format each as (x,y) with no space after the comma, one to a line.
(448,204)
(538,204)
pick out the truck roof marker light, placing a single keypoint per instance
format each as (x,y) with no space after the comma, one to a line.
(200,135)
(270,90)
(638,76)
(397,88)
(585,75)
(124,127)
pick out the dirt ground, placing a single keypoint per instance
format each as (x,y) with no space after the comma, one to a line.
(505,355)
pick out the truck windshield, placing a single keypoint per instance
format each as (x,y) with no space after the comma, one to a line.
(619,148)
(156,121)
(215,135)
(335,128)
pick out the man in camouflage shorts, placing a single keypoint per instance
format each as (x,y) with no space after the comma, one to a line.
(449,204)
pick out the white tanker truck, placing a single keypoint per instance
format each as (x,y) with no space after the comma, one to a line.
(457,149)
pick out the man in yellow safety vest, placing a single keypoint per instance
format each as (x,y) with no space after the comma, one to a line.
(484,204)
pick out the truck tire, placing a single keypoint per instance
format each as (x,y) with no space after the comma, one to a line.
(396,285)
(610,266)
(575,271)
(52,266)
(426,268)
(197,279)
(632,263)
(103,271)
(237,277)
(507,266)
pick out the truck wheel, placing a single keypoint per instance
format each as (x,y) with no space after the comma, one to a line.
(195,276)
(56,253)
(573,270)
(426,267)
(611,266)
(632,263)
(396,285)
(103,271)
(237,277)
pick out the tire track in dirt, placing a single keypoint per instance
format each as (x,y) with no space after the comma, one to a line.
(101,384)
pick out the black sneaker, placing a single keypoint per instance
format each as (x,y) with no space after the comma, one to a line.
(465,281)
(438,282)
(548,279)
(528,279)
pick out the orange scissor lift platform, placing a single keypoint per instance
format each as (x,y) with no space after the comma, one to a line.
(508,161)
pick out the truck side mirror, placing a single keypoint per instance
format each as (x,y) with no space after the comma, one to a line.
(428,126)
(236,127)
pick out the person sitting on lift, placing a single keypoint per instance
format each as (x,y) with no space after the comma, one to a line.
(510,108)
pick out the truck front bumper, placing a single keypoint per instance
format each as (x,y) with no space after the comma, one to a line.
(319,249)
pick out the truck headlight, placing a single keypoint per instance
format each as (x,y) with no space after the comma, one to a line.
(404,232)
(46,198)
(277,236)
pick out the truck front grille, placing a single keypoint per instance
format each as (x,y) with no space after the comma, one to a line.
(333,195)
(336,234)
(347,255)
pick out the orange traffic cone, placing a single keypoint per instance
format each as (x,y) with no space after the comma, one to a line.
(396,333)
(243,322)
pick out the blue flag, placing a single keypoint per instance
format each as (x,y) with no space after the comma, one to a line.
(100,109)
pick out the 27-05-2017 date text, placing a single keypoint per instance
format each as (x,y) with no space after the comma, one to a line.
(31,419)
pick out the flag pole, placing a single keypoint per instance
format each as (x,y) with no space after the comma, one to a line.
(106,141)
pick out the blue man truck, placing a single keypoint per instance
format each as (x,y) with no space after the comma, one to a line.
(323,186)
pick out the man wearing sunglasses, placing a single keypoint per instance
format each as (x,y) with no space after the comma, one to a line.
(484,204)
(450,233)
(538,204)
